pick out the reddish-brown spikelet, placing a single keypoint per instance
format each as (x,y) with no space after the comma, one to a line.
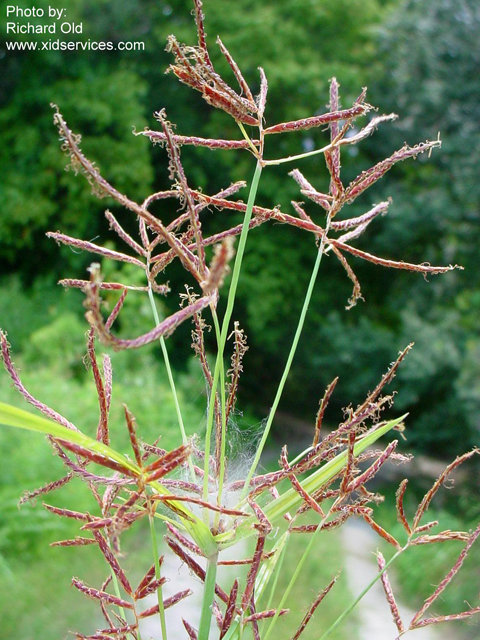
(426,527)
(401,517)
(230,609)
(321,411)
(169,461)
(119,631)
(191,546)
(389,593)
(252,573)
(444,536)
(392,264)
(381,531)
(369,177)
(66,513)
(78,541)
(219,268)
(150,588)
(350,223)
(449,618)
(357,293)
(113,562)
(102,429)
(12,372)
(217,614)
(332,157)
(115,226)
(61,238)
(264,615)
(169,602)
(116,310)
(196,141)
(97,458)
(108,286)
(425,503)
(345,486)
(318,121)
(192,633)
(147,578)
(176,170)
(236,71)
(51,486)
(312,504)
(165,328)
(262,97)
(107,380)
(373,469)
(386,379)
(132,432)
(447,579)
(326,526)
(311,610)
(100,595)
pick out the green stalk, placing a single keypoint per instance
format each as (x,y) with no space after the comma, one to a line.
(291,355)
(208,596)
(171,381)
(297,572)
(221,475)
(161,610)
(301,156)
(226,320)
(116,588)
(278,571)
(352,605)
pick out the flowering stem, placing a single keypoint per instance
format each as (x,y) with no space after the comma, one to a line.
(291,355)
(221,471)
(353,604)
(171,380)
(208,596)
(297,571)
(161,610)
(226,320)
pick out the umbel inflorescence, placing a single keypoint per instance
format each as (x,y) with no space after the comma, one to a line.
(185,490)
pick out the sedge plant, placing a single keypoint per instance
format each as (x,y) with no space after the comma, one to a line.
(189,494)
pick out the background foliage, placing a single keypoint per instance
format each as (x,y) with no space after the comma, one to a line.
(419,60)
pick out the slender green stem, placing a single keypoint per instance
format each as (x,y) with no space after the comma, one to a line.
(116,588)
(353,604)
(171,381)
(247,138)
(208,596)
(297,572)
(161,610)
(221,474)
(226,320)
(278,570)
(291,355)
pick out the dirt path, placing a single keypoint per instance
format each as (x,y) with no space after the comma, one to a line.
(360,566)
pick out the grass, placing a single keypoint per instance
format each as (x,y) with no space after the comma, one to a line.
(155,404)
(37,577)
(37,603)
(423,567)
